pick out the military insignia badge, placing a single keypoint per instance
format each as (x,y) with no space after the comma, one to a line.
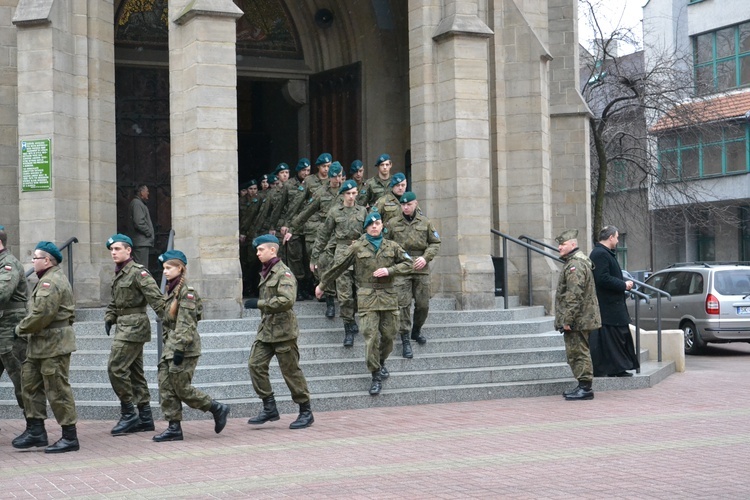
(288,275)
(144,273)
(301,188)
(46,285)
(406,254)
(435,233)
(8,268)
(572,268)
(191,296)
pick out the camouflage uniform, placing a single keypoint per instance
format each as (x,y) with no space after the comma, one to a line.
(419,238)
(342,226)
(51,338)
(388,206)
(374,188)
(13,296)
(277,335)
(132,288)
(249,217)
(295,194)
(181,334)
(267,221)
(377,302)
(576,306)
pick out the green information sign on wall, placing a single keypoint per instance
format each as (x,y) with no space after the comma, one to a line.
(36,165)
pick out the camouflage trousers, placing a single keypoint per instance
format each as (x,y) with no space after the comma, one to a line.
(12,351)
(345,295)
(125,369)
(416,287)
(287,354)
(579,357)
(379,329)
(47,379)
(176,387)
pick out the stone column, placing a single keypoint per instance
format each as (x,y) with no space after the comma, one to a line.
(450,137)
(66,94)
(203,105)
(8,127)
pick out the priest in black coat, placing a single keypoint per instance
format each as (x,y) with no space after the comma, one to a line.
(612,349)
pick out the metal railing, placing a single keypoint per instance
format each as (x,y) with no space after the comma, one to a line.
(529,239)
(659,294)
(68,245)
(163,288)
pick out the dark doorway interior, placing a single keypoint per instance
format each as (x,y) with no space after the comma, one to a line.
(267,128)
(142,124)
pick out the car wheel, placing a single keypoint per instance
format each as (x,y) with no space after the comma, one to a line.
(694,344)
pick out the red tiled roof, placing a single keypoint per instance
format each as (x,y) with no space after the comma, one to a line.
(713,109)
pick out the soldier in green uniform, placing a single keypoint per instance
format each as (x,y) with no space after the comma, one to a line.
(295,194)
(389,205)
(277,336)
(417,235)
(378,185)
(132,288)
(313,213)
(272,199)
(13,297)
(51,339)
(376,261)
(322,164)
(357,174)
(182,348)
(576,312)
(248,221)
(343,225)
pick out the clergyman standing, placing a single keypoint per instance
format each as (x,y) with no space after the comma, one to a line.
(141,228)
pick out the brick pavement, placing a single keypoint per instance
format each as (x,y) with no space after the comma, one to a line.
(688,437)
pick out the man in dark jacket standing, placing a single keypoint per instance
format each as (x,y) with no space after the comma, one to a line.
(612,350)
(141,227)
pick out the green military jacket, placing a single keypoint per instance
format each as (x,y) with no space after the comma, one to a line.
(51,315)
(273,200)
(575,301)
(181,331)
(313,182)
(133,288)
(373,294)
(314,212)
(13,286)
(373,189)
(276,295)
(417,236)
(389,206)
(342,226)
(295,194)
(249,217)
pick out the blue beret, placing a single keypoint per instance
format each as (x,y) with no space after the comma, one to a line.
(245,185)
(381,159)
(252,182)
(265,238)
(302,164)
(50,248)
(346,186)
(399,177)
(407,197)
(122,238)
(335,169)
(280,167)
(264,177)
(173,255)
(372,216)
(324,158)
(271,178)
(356,166)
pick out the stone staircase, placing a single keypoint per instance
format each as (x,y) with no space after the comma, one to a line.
(470,355)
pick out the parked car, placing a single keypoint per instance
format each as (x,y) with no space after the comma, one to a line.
(710,303)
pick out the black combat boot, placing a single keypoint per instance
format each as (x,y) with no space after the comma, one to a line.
(348,335)
(68,441)
(305,417)
(583,391)
(416,334)
(173,432)
(129,420)
(34,436)
(146,419)
(384,373)
(268,413)
(377,383)
(220,412)
(406,346)
(571,391)
(355,328)
(330,307)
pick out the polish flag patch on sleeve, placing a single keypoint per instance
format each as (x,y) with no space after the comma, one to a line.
(46,285)
(573,268)
(8,268)
(288,275)
(191,296)
(144,273)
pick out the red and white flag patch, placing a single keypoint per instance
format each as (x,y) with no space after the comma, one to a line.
(288,275)
(144,273)
(572,268)
(46,285)
(8,268)
(191,296)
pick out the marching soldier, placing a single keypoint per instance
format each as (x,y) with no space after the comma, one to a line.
(13,296)
(576,312)
(277,336)
(51,339)
(323,163)
(343,225)
(417,235)
(295,194)
(132,288)
(182,348)
(376,261)
(378,185)
(389,205)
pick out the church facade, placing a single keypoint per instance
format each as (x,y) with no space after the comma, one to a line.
(477,101)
